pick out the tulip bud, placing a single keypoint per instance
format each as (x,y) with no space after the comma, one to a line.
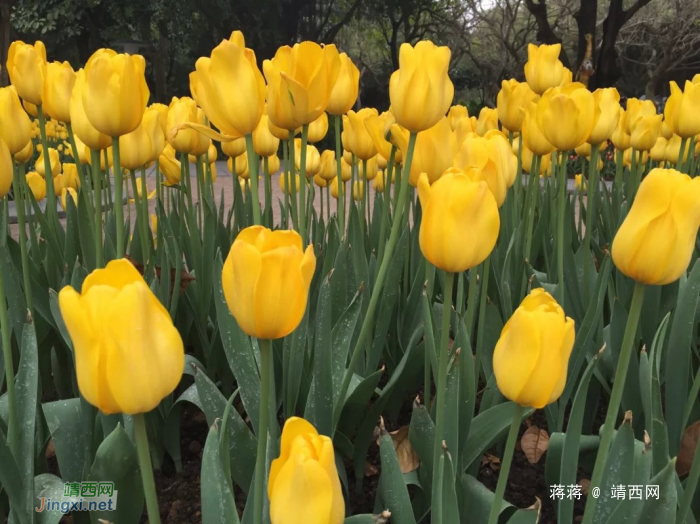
(234,148)
(346,88)
(334,188)
(68,191)
(37,185)
(170,166)
(636,109)
(121,333)
(26,154)
(318,129)
(289,186)
(329,166)
(273,164)
(266,279)
(144,144)
(70,176)
(620,137)
(313,158)
(6,168)
(60,79)
(360,141)
(378,182)
(533,138)
(456,114)
(488,120)
(527,158)
(531,357)
(15,126)
(579,182)
(682,109)
(264,142)
(673,149)
(421,91)
(512,99)
(543,68)
(566,115)
(305,477)
(239,166)
(26,66)
(658,152)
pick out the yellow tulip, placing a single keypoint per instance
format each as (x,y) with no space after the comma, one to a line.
(144,144)
(543,68)
(68,191)
(58,185)
(666,130)
(70,176)
(527,157)
(658,152)
(566,115)
(421,91)
(673,149)
(320,182)
(329,166)
(299,83)
(655,242)
(170,167)
(493,158)
(6,169)
(488,120)
(82,128)
(121,334)
(531,357)
(273,164)
(212,169)
(682,109)
(378,127)
(239,166)
(25,154)
(533,137)
(645,131)
(378,182)
(345,170)
(456,205)
(318,129)
(304,477)
(346,88)
(370,169)
(115,94)
(313,158)
(150,195)
(60,79)
(358,190)
(579,182)
(621,137)
(31,109)
(230,88)
(636,109)
(37,185)
(334,188)
(234,148)
(15,126)
(264,142)
(183,139)
(266,279)
(26,66)
(434,151)
(286,183)
(455,114)
(627,157)
(54,161)
(359,138)
(348,156)
(513,98)
(608,103)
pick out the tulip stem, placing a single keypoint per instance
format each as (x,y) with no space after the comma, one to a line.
(291,185)
(21,225)
(480,329)
(302,185)
(268,194)
(561,219)
(149,486)
(76,158)
(628,343)
(97,184)
(681,151)
(118,198)
(263,416)
(505,464)
(592,195)
(440,391)
(385,202)
(253,170)
(339,168)
(368,321)
(48,175)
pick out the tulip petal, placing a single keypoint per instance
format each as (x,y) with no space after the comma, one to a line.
(293,427)
(118,274)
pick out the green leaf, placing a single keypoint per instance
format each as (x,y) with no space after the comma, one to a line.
(477,500)
(342,336)
(392,487)
(63,418)
(86,231)
(50,487)
(218,504)
(450,508)
(319,407)
(16,306)
(355,407)
(11,481)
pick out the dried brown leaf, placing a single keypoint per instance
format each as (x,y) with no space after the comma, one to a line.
(689,442)
(408,458)
(371,470)
(534,442)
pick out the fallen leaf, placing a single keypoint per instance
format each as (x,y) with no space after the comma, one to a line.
(585,486)
(689,442)
(370,470)
(534,442)
(408,458)
(491,461)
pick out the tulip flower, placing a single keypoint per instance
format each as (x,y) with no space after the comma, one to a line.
(234,148)
(143,145)
(299,83)
(527,157)
(5,169)
(370,169)
(313,158)
(491,158)
(170,167)
(264,142)
(58,87)
(673,150)
(286,178)
(627,157)
(84,131)
(645,131)
(488,120)
(318,129)
(620,137)
(434,151)
(273,164)
(655,242)
(319,181)
(608,103)
(636,109)
(666,130)
(58,185)
(658,152)
(25,154)
(421,91)
(378,182)
(230,88)
(15,126)
(304,477)
(334,188)
(455,114)
(26,67)
(346,88)
(579,182)
(266,279)
(682,108)
(543,68)
(345,170)
(378,127)
(70,176)
(239,166)
(329,165)
(513,98)
(162,115)
(567,115)
(455,205)
(533,137)
(37,185)
(184,139)
(360,141)
(531,357)
(55,163)
(68,191)
(358,190)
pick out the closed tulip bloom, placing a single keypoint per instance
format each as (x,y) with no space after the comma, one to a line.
(666,130)
(162,115)
(533,137)
(115,94)
(299,83)
(627,157)
(488,120)
(170,167)
(456,205)
(434,151)
(329,166)
(512,98)
(493,158)
(635,109)
(531,357)
(304,477)
(68,192)
(527,157)
(345,170)
(82,128)
(54,161)
(233,87)
(184,139)
(344,93)
(682,109)
(347,155)
(313,158)
(334,188)
(5,169)
(266,279)
(421,91)
(70,176)
(358,190)
(15,126)
(239,165)
(379,127)
(464,128)
(60,79)
(144,144)
(608,102)
(320,182)
(543,68)
(620,137)
(273,164)
(455,114)
(26,66)
(579,182)
(234,148)
(658,152)
(318,129)
(359,138)
(566,115)
(378,182)
(264,142)
(645,131)
(285,183)
(121,335)
(25,154)
(58,185)
(673,149)
(37,185)
(282,134)
(655,242)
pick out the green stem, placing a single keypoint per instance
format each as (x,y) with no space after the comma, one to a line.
(253,169)
(144,215)
(118,198)
(13,428)
(532,186)
(268,191)
(338,160)
(592,195)
(302,186)
(628,343)
(97,184)
(687,167)
(441,390)
(368,321)
(363,202)
(74,148)
(561,219)
(480,330)
(149,485)
(681,151)
(292,181)
(617,183)
(471,301)
(21,225)
(385,202)
(50,193)
(505,464)
(263,418)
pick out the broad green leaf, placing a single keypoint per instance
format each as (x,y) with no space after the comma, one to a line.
(218,504)
(63,418)
(392,487)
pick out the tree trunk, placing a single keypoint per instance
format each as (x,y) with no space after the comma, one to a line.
(586,18)
(4,39)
